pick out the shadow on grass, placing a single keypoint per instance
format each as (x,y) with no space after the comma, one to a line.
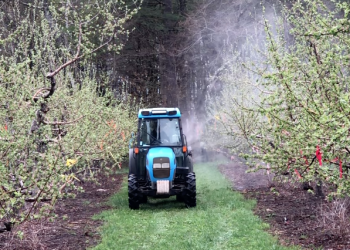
(161,204)
(120,201)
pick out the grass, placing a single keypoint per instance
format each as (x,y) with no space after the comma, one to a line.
(223,219)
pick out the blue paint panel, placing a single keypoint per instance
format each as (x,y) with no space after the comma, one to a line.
(161,152)
(178,114)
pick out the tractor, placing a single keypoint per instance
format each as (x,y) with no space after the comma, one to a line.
(160,162)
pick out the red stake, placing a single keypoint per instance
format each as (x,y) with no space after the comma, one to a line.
(298,174)
(319,155)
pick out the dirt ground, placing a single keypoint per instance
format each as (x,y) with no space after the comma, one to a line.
(296,216)
(74,228)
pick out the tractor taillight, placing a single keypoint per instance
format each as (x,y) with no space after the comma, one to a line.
(184,149)
(136,150)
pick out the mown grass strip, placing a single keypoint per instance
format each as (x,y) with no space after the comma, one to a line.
(223,219)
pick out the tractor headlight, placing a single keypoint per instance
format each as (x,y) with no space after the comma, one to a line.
(157,165)
(160,165)
(165,165)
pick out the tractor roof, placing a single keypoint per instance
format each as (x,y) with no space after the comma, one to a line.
(159,113)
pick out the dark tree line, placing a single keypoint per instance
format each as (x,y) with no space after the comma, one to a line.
(177,49)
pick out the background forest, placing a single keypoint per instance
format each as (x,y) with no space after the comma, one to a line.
(264,78)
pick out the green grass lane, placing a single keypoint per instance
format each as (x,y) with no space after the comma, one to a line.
(223,219)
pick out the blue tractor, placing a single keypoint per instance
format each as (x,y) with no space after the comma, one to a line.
(160,164)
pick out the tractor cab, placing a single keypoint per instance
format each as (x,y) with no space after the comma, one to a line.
(160,164)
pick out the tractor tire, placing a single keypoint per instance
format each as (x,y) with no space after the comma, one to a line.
(190,190)
(133,192)
(143,199)
(179,198)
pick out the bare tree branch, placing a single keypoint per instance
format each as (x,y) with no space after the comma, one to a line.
(61,123)
(38,92)
(77,57)
(30,6)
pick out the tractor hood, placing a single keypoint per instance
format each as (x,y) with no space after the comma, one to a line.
(161,164)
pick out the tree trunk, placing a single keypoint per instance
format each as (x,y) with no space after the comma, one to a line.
(169,88)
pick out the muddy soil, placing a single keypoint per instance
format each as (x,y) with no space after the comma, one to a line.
(296,216)
(74,227)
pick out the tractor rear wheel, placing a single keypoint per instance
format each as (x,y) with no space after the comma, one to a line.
(190,190)
(133,192)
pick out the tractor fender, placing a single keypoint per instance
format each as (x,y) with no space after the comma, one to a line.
(189,163)
(132,162)
(161,152)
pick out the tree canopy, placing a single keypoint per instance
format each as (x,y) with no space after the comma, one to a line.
(297,117)
(58,116)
